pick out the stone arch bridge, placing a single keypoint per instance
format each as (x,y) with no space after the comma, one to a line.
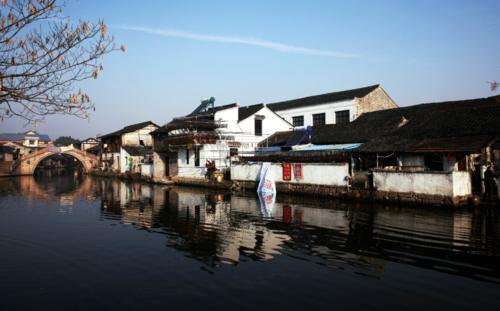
(27,164)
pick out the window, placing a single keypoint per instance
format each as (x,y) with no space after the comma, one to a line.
(31,142)
(187,156)
(258,127)
(298,121)
(318,119)
(196,155)
(233,152)
(342,117)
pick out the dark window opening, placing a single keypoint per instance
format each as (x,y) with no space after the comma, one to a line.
(233,152)
(196,155)
(318,119)
(342,117)
(258,127)
(298,121)
(433,162)
(187,156)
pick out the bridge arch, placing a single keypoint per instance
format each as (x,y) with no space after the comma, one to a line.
(38,160)
(28,164)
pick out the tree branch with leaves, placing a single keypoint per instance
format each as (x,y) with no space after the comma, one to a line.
(42,57)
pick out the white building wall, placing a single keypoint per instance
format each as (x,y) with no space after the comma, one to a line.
(244,131)
(125,160)
(147,170)
(462,184)
(218,152)
(448,184)
(133,138)
(329,109)
(329,174)
(229,117)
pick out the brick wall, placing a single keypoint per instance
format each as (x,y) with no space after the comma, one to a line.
(375,100)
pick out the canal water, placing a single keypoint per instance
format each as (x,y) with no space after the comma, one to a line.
(79,242)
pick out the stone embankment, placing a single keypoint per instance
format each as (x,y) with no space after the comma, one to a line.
(323,191)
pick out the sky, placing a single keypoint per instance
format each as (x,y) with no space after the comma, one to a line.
(249,52)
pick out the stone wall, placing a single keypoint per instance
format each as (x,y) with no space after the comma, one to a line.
(374,101)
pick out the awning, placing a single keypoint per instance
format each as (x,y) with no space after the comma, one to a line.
(335,147)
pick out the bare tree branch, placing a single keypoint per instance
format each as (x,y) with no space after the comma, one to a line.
(43,55)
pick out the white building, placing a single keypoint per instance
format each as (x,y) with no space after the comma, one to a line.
(88,143)
(333,108)
(128,149)
(184,146)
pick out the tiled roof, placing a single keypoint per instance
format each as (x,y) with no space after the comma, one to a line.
(286,138)
(137,150)
(466,125)
(245,112)
(129,128)
(21,136)
(322,99)
(6,149)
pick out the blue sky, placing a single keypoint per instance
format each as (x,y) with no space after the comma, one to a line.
(179,52)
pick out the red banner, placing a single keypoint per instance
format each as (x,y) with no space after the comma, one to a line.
(287,171)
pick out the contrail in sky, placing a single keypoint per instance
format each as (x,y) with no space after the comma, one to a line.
(237,40)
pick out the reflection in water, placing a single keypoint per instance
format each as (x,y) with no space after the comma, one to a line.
(217,230)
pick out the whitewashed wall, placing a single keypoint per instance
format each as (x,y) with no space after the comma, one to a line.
(133,138)
(329,109)
(330,174)
(462,184)
(218,152)
(147,170)
(448,184)
(229,117)
(272,123)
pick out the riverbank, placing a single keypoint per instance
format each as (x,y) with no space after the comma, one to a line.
(310,190)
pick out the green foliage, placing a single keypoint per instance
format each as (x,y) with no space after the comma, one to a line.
(66,141)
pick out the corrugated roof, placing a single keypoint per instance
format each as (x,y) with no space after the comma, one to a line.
(334,147)
(322,99)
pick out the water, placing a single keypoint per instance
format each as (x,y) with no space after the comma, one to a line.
(72,242)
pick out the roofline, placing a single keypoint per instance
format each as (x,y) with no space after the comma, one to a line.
(310,96)
(265,106)
(387,94)
(115,133)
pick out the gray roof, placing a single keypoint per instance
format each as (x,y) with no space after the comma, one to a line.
(455,126)
(138,150)
(322,99)
(129,128)
(21,136)
(245,112)
(6,149)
